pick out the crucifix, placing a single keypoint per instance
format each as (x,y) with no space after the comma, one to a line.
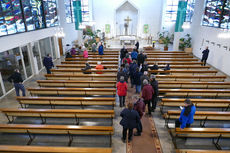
(127,24)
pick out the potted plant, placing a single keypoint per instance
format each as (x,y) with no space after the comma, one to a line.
(186,44)
(166,42)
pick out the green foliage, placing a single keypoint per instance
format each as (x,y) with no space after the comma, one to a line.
(185,42)
(166,41)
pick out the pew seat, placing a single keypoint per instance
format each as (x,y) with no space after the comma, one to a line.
(201,151)
(53,149)
(80,66)
(185,72)
(79,71)
(72,83)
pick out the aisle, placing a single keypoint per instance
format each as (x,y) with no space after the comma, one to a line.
(148,142)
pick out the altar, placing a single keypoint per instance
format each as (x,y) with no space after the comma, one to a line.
(127,40)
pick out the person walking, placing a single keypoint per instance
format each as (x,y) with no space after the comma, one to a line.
(134,54)
(144,77)
(129,61)
(137,80)
(139,106)
(123,52)
(48,63)
(94,47)
(140,58)
(121,73)
(144,67)
(101,49)
(129,121)
(154,84)
(122,90)
(147,93)
(205,56)
(16,78)
(132,68)
(186,115)
(137,45)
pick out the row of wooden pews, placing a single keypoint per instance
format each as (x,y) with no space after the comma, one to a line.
(207,90)
(62,105)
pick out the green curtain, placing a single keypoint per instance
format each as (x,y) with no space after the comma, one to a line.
(181,15)
(77,13)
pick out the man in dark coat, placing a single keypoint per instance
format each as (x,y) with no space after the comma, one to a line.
(140,58)
(16,78)
(87,67)
(132,69)
(137,45)
(205,56)
(48,63)
(154,84)
(123,52)
(130,119)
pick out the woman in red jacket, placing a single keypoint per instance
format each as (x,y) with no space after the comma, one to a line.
(122,90)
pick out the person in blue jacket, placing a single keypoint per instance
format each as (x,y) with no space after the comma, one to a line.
(134,54)
(129,121)
(48,63)
(186,115)
(137,80)
(132,69)
(101,49)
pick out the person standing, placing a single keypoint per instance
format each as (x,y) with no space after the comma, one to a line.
(121,73)
(94,47)
(139,106)
(129,61)
(154,84)
(101,49)
(122,90)
(137,80)
(144,67)
(134,54)
(140,58)
(205,56)
(144,77)
(147,93)
(186,115)
(123,52)
(48,63)
(137,45)
(16,78)
(129,121)
(132,68)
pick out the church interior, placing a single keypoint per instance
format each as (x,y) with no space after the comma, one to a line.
(68,108)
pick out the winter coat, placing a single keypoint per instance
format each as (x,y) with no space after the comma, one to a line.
(85,54)
(47,62)
(140,58)
(87,67)
(121,73)
(134,55)
(122,88)
(130,118)
(99,67)
(137,45)
(15,77)
(101,50)
(144,77)
(129,61)
(139,106)
(147,92)
(137,78)
(73,51)
(132,69)
(154,85)
(187,119)
(154,67)
(205,54)
(123,53)
(144,68)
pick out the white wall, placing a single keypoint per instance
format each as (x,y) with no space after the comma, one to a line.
(203,36)
(149,13)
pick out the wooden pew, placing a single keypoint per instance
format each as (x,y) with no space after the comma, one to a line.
(188,67)
(105,53)
(181,54)
(199,115)
(79,71)
(71,83)
(201,151)
(224,104)
(53,149)
(69,66)
(169,56)
(185,72)
(78,101)
(91,59)
(172,59)
(175,63)
(97,56)
(195,92)
(72,91)
(87,77)
(56,113)
(91,62)
(70,130)
(214,133)
(188,84)
(163,52)
(203,78)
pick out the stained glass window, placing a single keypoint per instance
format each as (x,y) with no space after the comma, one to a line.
(50,9)
(68,11)
(190,10)
(217,13)
(85,10)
